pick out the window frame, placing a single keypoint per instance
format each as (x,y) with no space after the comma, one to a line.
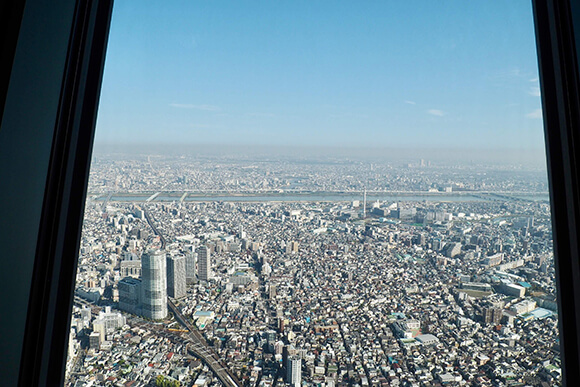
(557,29)
(41,294)
(56,54)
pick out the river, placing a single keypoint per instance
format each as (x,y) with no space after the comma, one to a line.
(319,197)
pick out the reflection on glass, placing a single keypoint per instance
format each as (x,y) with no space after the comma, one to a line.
(324,193)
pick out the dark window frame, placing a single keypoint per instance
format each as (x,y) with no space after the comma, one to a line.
(557,30)
(37,302)
(49,112)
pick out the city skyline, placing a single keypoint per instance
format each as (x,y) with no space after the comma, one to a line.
(454,283)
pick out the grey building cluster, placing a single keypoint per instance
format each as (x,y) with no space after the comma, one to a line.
(133,353)
(400,293)
(379,294)
(161,276)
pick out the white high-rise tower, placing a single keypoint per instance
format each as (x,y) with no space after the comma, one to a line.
(154,285)
(365,204)
(294,371)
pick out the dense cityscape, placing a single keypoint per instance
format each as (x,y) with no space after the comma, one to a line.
(314,271)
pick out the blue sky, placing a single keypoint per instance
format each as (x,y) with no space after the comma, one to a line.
(323,73)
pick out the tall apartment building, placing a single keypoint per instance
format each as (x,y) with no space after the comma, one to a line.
(190,259)
(154,285)
(294,371)
(203,263)
(176,277)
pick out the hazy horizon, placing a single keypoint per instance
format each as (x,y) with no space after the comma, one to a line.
(497,156)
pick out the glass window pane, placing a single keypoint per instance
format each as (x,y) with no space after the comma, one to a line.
(327,193)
